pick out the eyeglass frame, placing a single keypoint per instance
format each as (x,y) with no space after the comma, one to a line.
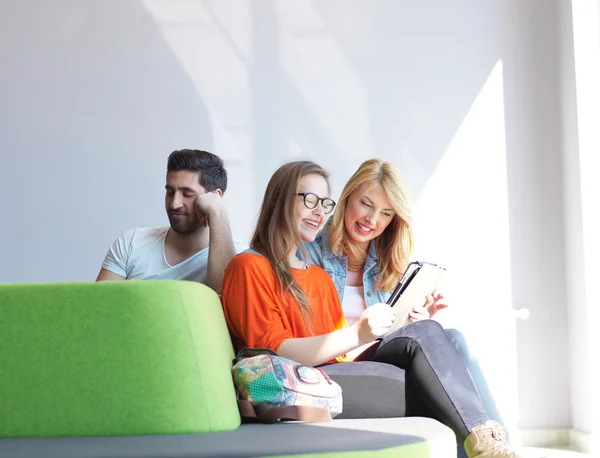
(320,200)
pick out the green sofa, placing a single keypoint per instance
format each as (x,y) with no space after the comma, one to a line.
(142,369)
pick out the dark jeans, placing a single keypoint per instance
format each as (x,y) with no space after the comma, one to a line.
(437,382)
(460,342)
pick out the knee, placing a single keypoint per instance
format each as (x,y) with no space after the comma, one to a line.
(460,342)
(428,328)
(420,332)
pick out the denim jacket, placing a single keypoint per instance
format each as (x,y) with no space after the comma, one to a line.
(336,267)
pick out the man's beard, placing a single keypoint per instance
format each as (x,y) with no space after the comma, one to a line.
(186,227)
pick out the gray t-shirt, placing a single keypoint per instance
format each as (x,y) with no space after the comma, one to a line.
(139,254)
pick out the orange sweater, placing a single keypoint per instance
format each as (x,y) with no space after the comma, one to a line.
(258,314)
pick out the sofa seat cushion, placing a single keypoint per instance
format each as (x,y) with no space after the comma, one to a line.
(369,389)
(371,438)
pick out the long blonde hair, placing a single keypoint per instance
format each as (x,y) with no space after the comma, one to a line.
(276,232)
(395,245)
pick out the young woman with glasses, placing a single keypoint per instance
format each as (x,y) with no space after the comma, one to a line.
(273,299)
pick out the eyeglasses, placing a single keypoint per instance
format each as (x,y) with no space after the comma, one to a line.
(311,201)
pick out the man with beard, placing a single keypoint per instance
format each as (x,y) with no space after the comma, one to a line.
(198,245)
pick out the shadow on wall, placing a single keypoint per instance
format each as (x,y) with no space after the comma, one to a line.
(92,102)
(390,79)
(98,98)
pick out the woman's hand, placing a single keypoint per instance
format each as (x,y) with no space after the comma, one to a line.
(374,322)
(420,313)
(433,304)
(436,305)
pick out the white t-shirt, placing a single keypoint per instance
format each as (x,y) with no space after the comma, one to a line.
(139,254)
(353,303)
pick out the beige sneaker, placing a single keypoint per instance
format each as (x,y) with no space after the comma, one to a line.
(488,440)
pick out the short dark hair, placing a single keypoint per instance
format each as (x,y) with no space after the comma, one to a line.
(210,167)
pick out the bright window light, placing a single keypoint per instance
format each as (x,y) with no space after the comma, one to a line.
(462,223)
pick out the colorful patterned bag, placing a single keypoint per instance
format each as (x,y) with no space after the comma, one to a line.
(272,388)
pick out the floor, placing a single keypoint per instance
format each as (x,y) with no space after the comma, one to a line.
(534,452)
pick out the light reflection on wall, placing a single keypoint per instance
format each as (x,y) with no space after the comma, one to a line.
(315,64)
(461,222)
(215,48)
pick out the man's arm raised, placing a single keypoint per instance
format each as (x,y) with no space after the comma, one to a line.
(220,245)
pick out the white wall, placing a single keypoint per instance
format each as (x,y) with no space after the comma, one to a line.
(94,94)
(537,217)
(579,354)
(581,92)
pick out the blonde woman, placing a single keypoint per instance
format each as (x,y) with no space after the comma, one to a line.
(273,299)
(366,246)
(367,243)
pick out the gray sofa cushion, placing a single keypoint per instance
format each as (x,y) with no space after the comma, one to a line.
(382,383)
(403,437)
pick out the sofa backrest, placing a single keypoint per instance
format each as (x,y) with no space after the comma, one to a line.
(114,358)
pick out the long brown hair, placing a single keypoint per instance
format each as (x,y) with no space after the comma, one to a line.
(276,231)
(395,245)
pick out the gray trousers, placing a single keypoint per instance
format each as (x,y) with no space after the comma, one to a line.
(416,371)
